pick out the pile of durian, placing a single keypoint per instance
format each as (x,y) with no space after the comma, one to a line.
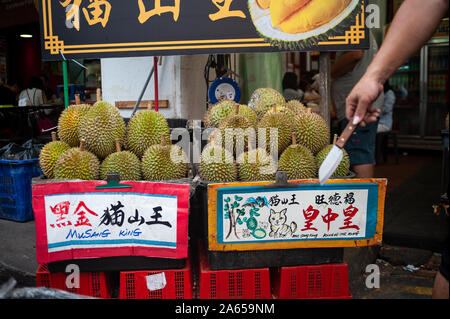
(95,141)
(303,140)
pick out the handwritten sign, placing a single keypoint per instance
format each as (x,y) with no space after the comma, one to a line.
(114,28)
(74,220)
(342,213)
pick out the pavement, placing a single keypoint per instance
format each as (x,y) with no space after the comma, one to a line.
(413,237)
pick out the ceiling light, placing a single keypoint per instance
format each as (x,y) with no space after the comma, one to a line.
(24,35)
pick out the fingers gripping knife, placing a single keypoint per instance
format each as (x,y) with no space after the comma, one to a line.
(335,156)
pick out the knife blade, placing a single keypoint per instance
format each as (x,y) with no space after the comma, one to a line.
(335,156)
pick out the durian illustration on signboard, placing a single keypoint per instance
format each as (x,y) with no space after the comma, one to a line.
(298,24)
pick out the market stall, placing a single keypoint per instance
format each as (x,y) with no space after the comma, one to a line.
(207,222)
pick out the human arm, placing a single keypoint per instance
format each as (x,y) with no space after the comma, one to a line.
(408,32)
(345,63)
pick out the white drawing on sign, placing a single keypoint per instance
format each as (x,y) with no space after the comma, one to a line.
(278,225)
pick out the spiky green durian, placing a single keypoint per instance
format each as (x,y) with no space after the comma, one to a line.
(264,99)
(126,163)
(49,155)
(219,111)
(312,131)
(217,164)
(343,168)
(69,122)
(145,129)
(77,163)
(256,165)
(164,162)
(100,127)
(295,106)
(236,132)
(298,162)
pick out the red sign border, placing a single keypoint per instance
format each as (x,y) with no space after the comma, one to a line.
(182,192)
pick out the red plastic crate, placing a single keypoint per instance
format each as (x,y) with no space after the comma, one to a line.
(93,284)
(133,284)
(233,284)
(327,281)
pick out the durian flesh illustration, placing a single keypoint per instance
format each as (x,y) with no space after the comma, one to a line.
(296,24)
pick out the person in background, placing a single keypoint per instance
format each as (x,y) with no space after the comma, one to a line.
(33,95)
(385,121)
(404,38)
(311,97)
(345,73)
(49,94)
(290,87)
(8,93)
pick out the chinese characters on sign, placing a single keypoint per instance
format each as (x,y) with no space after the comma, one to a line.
(84,29)
(98,11)
(294,215)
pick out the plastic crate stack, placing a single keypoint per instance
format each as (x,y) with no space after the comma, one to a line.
(161,284)
(327,281)
(232,284)
(317,281)
(15,188)
(92,284)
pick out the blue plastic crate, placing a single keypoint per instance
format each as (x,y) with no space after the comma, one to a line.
(15,188)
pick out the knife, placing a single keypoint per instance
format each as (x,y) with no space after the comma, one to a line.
(335,156)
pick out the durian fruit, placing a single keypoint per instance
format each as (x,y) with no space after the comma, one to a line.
(263,100)
(290,111)
(249,113)
(344,166)
(256,165)
(100,127)
(263,4)
(303,15)
(164,162)
(295,106)
(49,155)
(280,121)
(145,129)
(217,164)
(77,163)
(312,131)
(126,163)
(234,130)
(219,111)
(296,25)
(69,122)
(297,161)
(277,109)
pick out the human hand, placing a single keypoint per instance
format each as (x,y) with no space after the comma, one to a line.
(359,101)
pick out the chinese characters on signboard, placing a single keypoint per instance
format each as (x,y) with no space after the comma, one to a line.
(98,11)
(113,28)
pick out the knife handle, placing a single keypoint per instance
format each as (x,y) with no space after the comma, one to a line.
(348,131)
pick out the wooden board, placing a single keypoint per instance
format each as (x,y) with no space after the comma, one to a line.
(145,104)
